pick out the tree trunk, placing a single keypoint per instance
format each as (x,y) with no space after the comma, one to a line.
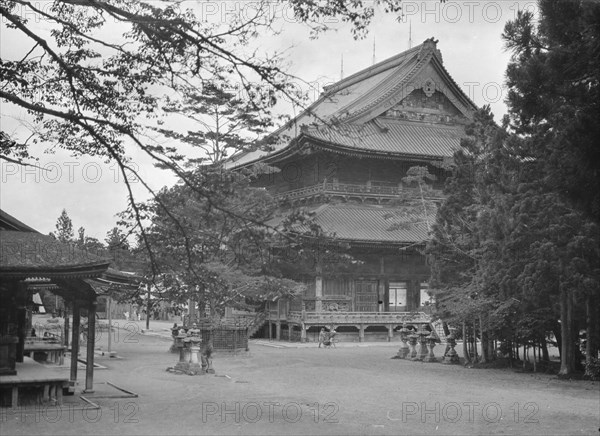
(566,315)
(475,354)
(465,339)
(590,349)
(148,308)
(558,337)
(545,354)
(484,343)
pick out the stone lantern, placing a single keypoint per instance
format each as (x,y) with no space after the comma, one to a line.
(430,344)
(191,359)
(193,343)
(177,338)
(182,364)
(422,343)
(451,355)
(404,349)
(412,341)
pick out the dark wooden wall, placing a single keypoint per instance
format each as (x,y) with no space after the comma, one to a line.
(315,168)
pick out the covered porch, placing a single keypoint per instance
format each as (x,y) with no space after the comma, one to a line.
(28,259)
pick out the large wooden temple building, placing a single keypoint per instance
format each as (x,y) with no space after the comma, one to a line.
(343,161)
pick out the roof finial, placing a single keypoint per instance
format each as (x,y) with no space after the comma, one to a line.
(409,34)
(342,68)
(373,50)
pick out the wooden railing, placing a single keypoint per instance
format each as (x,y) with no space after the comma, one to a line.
(374,190)
(341,318)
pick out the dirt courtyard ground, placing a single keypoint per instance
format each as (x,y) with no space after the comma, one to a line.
(277,390)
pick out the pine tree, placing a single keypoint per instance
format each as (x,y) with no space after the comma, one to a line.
(64,228)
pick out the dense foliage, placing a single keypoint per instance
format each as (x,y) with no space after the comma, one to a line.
(516,245)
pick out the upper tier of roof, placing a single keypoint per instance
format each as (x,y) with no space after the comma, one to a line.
(358,104)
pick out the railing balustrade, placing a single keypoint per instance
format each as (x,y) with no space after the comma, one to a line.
(342,318)
(363,190)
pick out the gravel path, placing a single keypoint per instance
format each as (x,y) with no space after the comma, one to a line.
(305,390)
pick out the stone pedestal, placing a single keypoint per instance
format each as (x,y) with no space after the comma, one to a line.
(422,344)
(404,349)
(194,367)
(451,356)
(176,340)
(430,344)
(412,342)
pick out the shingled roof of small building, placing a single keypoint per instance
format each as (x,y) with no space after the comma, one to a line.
(24,252)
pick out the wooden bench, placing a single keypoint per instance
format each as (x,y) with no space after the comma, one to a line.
(55,352)
(31,374)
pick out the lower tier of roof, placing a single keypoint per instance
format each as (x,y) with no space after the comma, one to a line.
(368,224)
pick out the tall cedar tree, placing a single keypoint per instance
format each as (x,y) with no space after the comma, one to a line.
(554,100)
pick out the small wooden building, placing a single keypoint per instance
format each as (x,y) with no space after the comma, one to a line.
(343,161)
(28,261)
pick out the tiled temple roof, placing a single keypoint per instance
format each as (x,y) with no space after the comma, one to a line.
(355,102)
(412,139)
(367,224)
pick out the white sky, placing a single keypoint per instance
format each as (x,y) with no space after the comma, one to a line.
(91,191)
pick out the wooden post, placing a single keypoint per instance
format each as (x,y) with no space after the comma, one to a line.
(109,309)
(148,307)
(21,332)
(390,333)
(91,340)
(66,326)
(278,330)
(318,293)
(75,345)
(361,333)
(21,321)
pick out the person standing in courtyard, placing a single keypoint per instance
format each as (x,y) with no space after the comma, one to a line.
(321,337)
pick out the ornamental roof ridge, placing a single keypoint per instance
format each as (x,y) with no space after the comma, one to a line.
(373,70)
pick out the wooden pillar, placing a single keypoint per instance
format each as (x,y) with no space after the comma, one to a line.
(361,333)
(111,353)
(318,293)
(21,320)
(91,342)
(74,345)
(21,332)
(278,330)
(417,287)
(278,309)
(66,326)
(381,286)
(390,333)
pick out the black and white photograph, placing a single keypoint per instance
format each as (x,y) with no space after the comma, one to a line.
(299,217)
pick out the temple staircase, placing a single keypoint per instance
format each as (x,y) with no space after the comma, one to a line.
(257,323)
